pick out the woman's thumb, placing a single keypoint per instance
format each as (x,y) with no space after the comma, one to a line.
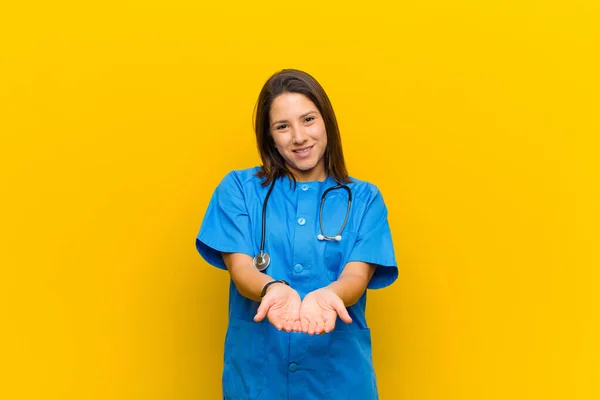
(263,308)
(342,311)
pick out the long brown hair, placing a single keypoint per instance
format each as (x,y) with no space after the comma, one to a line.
(296,81)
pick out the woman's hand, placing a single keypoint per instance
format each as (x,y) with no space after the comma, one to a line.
(319,311)
(281,306)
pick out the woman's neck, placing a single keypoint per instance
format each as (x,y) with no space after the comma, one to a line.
(309,176)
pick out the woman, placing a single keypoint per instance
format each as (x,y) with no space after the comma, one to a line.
(317,258)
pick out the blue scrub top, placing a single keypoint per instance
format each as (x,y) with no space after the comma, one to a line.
(260,361)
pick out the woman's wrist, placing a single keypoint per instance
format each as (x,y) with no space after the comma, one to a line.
(268,285)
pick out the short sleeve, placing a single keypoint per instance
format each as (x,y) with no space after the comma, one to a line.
(374,243)
(226,224)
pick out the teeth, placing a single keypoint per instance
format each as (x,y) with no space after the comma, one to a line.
(302,151)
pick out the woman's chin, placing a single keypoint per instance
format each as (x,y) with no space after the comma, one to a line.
(303,167)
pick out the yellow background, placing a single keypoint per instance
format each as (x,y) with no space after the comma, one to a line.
(477,120)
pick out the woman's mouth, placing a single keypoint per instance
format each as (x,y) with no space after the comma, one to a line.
(303,152)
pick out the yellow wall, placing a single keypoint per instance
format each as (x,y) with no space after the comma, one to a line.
(478,121)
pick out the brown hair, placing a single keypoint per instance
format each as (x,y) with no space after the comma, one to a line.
(295,81)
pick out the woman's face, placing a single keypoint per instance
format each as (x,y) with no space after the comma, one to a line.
(299,134)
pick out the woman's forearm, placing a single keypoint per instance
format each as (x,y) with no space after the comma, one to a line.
(248,280)
(352,282)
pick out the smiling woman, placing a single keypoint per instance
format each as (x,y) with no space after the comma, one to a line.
(294,113)
(279,302)
(300,139)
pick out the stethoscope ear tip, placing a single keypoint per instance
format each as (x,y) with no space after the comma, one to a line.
(336,237)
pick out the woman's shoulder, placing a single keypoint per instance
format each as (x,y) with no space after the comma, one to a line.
(241,178)
(363,190)
(244,175)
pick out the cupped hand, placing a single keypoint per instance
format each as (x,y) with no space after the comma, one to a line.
(281,306)
(319,311)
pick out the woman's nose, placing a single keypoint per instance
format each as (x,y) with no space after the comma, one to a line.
(299,136)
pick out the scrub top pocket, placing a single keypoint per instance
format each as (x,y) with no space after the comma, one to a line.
(243,375)
(336,254)
(350,372)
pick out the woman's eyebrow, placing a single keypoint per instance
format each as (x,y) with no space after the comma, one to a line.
(302,116)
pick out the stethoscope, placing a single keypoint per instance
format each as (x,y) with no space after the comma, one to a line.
(261,260)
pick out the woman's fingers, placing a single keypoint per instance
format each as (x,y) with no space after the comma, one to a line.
(282,320)
(313,326)
(297,326)
(289,320)
(320,326)
(292,313)
(305,322)
(329,322)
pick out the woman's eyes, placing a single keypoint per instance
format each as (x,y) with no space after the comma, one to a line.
(283,126)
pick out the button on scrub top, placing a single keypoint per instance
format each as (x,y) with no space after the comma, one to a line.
(261,362)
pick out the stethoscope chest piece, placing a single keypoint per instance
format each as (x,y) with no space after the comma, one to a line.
(261,261)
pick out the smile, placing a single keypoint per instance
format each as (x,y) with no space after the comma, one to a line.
(303,151)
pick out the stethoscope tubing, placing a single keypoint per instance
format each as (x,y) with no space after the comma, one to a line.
(264,217)
(337,236)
